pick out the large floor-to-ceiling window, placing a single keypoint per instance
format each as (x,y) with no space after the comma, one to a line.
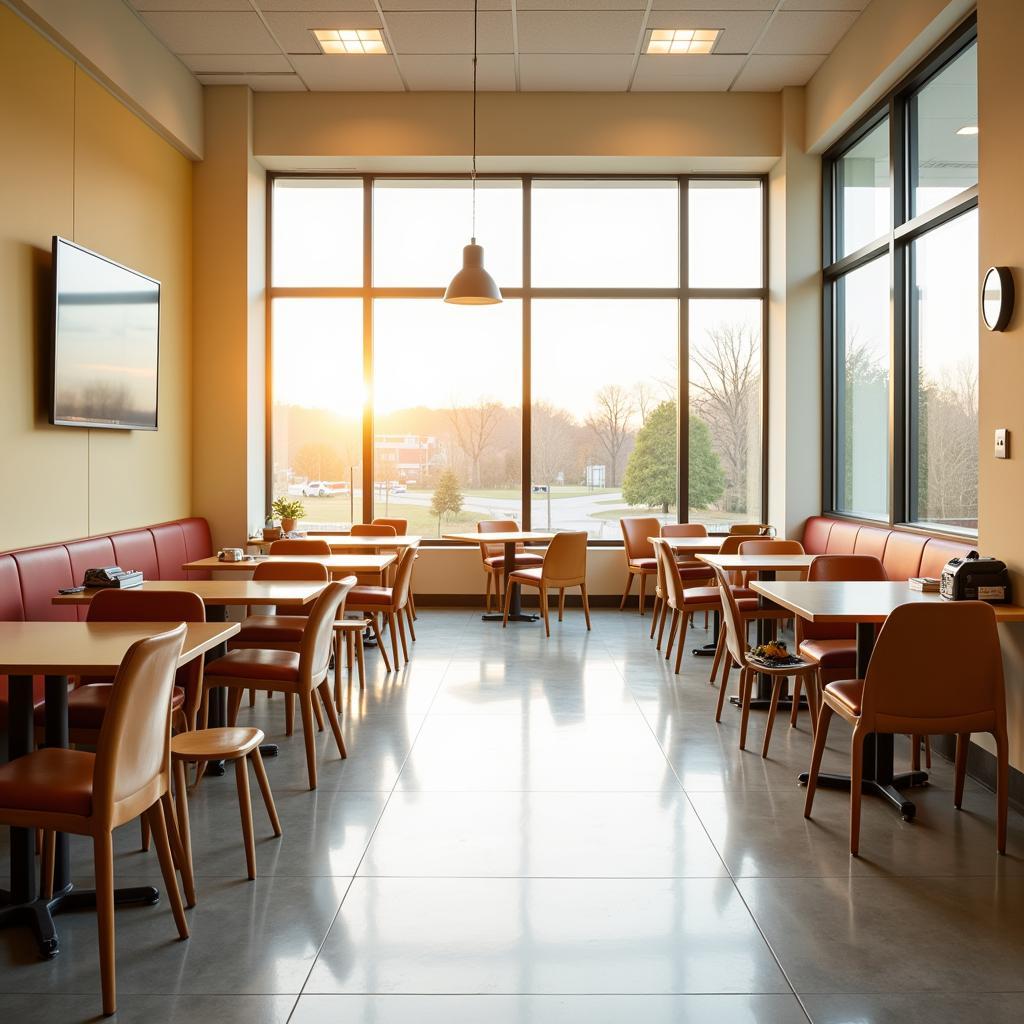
(622,375)
(901,302)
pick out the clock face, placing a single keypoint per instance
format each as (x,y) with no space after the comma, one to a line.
(997,298)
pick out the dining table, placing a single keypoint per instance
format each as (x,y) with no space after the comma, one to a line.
(341,542)
(766,567)
(338,565)
(57,650)
(866,605)
(510,540)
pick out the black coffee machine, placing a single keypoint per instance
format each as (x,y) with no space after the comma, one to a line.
(973,578)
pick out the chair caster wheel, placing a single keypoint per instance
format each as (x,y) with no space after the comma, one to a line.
(49,948)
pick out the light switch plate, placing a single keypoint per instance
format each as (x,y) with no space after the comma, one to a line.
(1002,443)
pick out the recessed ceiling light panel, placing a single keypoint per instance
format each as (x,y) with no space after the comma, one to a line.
(682,40)
(350,40)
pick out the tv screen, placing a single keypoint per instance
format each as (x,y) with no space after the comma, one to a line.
(106,335)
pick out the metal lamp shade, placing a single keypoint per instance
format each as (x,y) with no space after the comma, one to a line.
(472,285)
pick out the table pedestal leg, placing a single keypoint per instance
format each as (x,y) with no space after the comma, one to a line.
(515,608)
(708,650)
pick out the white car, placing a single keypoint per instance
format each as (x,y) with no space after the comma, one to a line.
(398,488)
(320,489)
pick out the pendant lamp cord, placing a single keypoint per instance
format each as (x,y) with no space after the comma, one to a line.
(475,17)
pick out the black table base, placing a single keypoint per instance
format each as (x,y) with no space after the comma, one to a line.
(515,608)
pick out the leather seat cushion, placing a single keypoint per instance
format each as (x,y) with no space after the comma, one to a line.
(831,654)
(847,693)
(498,562)
(696,573)
(286,629)
(644,564)
(51,779)
(255,663)
(376,596)
(88,704)
(701,595)
(532,575)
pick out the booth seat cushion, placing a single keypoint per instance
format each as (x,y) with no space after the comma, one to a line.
(816,532)
(11,607)
(198,543)
(171,553)
(42,572)
(842,539)
(937,553)
(903,555)
(871,541)
(136,549)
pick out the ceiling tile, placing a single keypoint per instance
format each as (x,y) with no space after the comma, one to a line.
(362,73)
(710,72)
(578,32)
(806,31)
(191,5)
(447,72)
(449,32)
(574,72)
(771,72)
(235,63)
(718,5)
(205,32)
(258,83)
(293,30)
(740,29)
(824,5)
(443,5)
(582,5)
(308,6)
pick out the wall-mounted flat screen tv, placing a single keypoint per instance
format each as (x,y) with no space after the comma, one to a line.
(106,342)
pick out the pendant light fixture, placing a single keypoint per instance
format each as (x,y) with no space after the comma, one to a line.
(472,285)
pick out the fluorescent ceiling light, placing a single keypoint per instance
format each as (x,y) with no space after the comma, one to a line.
(683,40)
(968,129)
(350,40)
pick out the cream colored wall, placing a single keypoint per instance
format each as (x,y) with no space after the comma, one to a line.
(77,163)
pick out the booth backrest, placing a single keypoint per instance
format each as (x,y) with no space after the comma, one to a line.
(903,554)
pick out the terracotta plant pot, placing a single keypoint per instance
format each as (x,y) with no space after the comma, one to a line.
(271,532)
(288,525)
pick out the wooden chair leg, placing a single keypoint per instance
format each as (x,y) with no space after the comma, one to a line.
(719,651)
(915,753)
(820,735)
(794,711)
(245,810)
(103,859)
(561,602)
(410,619)
(338,644)
(360,662)
(721,700)
(672,633)
(412,609)
(49,852)
(332,717)
(144,826)
(625,593)
(184,833)
(252,697)
(856,775)
(963,740)
(394,639)
(401,635)
(289,714)
(306,708)
(163,850)
(544,610)
(643,591)
(682,641)
(663,617)
(319,716)
(268,796)
(773,709)
(746,684)
(655,613)
(927,752)
(586,604)
(1002,788)
(380,642)
(235,694)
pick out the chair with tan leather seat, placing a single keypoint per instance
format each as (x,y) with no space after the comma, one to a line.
(738,650)
(640,559)
(400,526)
(914,684)
(564,566)
(300,546)
(681,601)
(303,673)
(493,557)
(389,603)
(751,530)
(88,794)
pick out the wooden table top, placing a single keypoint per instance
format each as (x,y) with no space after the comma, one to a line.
(93,648)
(337,565)
(339,542)
(692,545)
(519,537)
(827,601)
(760,563)
(222,592)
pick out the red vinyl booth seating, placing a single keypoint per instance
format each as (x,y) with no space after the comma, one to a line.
(29,577)
(902,554)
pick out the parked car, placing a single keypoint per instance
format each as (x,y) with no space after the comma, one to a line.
(324,488)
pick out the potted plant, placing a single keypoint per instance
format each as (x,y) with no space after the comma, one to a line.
(289,511)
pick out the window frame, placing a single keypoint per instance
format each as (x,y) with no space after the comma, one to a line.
(896,244)
(681,292)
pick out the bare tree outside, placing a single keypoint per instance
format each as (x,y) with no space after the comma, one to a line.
(610,423)
(474,425)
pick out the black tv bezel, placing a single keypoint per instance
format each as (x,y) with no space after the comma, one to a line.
(93,424)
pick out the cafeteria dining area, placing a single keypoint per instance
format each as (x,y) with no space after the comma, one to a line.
(511,511)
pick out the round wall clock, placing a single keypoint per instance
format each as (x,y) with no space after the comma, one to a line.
(997,298)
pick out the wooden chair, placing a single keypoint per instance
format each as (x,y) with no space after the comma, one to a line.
(493,557)
(88,794)
(303,673)
(401,529)
(639,551)
(349,633)
(738,649)
(300,546)
(401,526)
(565,565)
(916,684)
(389,603)
(691,570)
(751,530)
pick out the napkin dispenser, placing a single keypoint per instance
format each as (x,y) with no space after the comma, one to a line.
(973,578)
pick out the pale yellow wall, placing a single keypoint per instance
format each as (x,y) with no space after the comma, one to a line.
(75,162)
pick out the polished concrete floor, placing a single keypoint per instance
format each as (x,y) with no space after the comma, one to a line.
(533,831)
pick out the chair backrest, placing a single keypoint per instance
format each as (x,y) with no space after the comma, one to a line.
(771,547)
(297,571)
(317,637)
(496,526)
(751,530)
(373,529)
(133,752)
(938,661)
(566,557)
(403,578)
(152,606)
(300,546)
(865,568)
(684,530)
(635,531)
(735,631)
(401,525)
(731,546)
(668,571)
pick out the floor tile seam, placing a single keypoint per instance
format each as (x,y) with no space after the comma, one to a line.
(376,825)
